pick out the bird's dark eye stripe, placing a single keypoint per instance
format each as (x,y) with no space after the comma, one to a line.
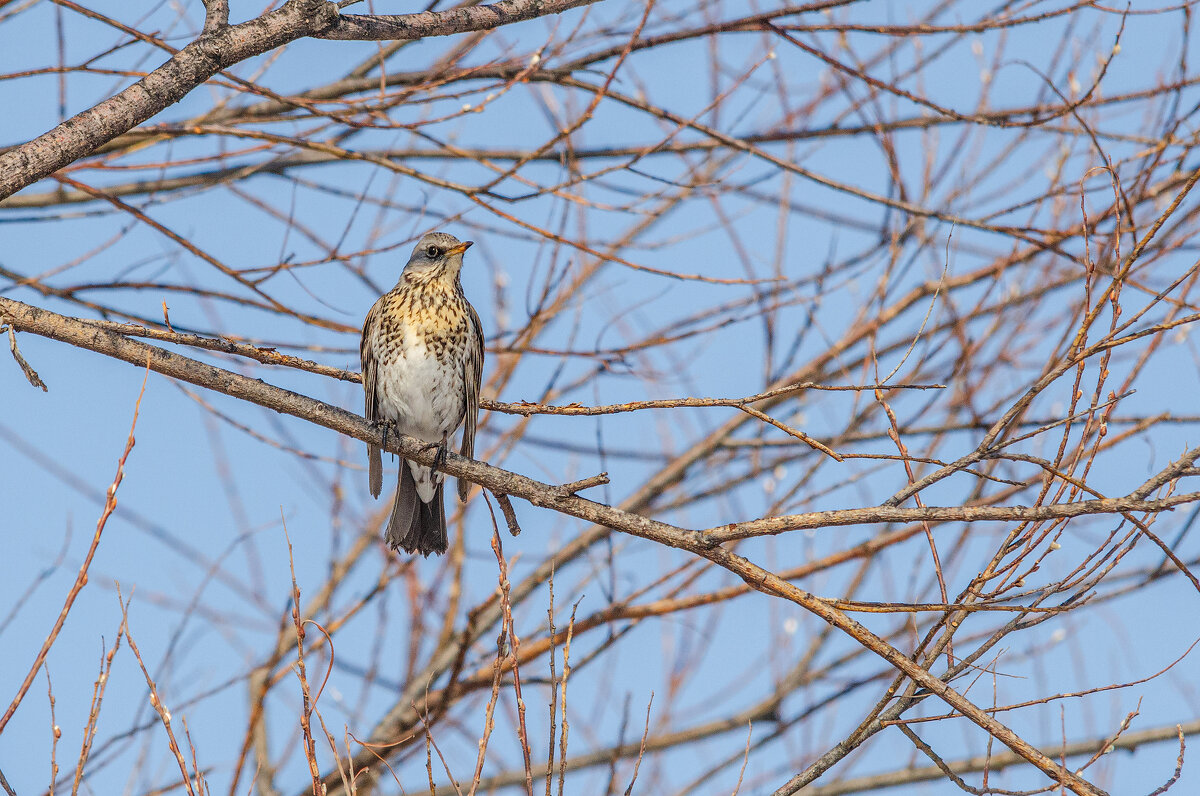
(433,251)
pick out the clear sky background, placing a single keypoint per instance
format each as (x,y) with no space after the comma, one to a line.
(198,540)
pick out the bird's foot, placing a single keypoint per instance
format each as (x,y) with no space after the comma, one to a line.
(387,427)
(440,447)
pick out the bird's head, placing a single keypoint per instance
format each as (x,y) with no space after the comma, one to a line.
(437,256)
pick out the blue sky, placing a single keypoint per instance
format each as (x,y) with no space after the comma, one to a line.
(197,539)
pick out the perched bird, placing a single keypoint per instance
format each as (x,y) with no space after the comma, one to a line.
(422,361)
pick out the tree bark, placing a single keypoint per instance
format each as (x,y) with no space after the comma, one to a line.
(185,70)
(220,47)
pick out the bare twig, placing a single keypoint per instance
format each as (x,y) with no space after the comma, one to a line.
(584,483)
(637,763)
(29,372)
(81,579)
(884,514)
(309,703)
(164,715)
(510,514)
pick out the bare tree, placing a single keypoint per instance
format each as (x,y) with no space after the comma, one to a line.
(939,258)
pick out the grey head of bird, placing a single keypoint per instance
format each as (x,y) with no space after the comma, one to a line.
(437,255)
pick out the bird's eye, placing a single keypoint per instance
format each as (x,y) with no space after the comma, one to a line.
(432,251)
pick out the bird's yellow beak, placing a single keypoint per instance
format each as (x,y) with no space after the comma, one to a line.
(460,248)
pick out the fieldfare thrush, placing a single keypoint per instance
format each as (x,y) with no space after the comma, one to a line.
(422,361)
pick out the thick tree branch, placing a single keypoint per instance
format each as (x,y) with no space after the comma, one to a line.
(394,27)
(166,85)
(222,46)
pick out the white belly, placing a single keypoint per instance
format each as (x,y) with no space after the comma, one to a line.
(424,398)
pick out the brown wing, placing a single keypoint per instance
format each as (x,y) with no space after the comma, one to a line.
(370,363)
(472,376)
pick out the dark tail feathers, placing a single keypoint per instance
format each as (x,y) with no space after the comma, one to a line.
(416,526)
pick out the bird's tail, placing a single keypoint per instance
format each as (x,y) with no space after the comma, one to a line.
(416,526)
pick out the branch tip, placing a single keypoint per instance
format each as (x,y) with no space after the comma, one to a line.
(569,489)
(7,323)
(510,514)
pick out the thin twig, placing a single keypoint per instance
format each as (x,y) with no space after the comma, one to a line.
(584,483)
(637,763)
(81,578)
(510,514)
(30,374)
(164,715)
(310,749)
